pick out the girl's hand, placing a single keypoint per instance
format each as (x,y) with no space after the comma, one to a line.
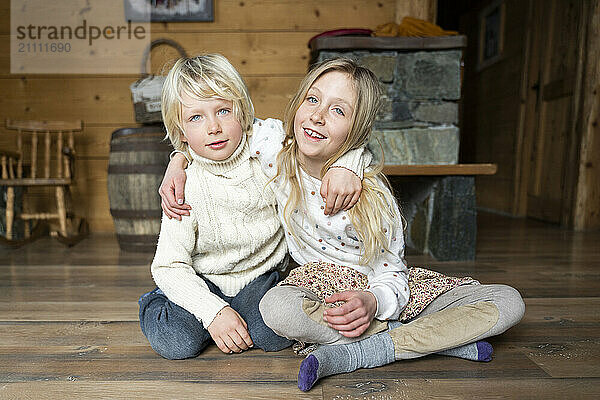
(340,189)
(230,331)
(353,317)
(172,187)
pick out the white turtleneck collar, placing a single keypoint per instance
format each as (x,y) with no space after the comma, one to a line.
(221,167)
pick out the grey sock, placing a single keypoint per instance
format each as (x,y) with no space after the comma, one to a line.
(478,351)
(374,351)
(394,324)
(371,352)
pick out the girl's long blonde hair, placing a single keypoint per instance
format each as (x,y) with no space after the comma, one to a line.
(375,208)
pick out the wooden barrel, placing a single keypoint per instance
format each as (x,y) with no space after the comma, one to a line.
(138,159)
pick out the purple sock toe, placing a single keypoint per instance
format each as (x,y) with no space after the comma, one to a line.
(484,351)
(307,376)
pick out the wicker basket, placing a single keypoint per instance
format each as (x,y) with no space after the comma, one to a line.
(146,91)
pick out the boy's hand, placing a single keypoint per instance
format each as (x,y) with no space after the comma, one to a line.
(172,187)
(230,331)
(353,317)
(340,189)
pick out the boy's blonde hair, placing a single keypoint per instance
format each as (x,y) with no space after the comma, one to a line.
(375,206)
(204,77)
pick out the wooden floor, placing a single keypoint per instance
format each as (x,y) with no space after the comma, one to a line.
(69,329)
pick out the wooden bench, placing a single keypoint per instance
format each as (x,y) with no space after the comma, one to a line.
(439,204)
(440,170)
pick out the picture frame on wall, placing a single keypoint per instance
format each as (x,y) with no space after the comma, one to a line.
(169,10)
(491,34)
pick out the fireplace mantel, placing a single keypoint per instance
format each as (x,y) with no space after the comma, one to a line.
(387,43)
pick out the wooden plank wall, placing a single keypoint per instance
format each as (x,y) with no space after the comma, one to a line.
(544,140)
(550,143)
(490,109)
(587,203)
(266,40)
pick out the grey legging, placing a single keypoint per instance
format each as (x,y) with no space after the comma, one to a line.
(483,311)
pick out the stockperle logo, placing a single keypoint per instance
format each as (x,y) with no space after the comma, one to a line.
(76,36)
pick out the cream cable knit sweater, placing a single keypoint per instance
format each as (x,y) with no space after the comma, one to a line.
(231,237)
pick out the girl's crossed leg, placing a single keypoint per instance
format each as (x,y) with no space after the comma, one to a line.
(452,324)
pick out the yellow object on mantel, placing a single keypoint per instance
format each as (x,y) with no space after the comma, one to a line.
(412,27)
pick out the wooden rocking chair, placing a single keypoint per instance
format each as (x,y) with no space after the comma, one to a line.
(29,166)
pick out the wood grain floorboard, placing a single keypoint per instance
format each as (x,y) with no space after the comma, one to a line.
(568,359)
(460,389)
(90,292)
(158,389)
(122,363)
(69,311)
(69,329)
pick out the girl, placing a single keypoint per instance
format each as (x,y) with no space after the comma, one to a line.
(357,256)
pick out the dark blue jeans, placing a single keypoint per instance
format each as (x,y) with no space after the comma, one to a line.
(175,333)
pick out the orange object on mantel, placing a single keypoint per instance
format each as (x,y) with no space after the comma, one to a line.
(412,27)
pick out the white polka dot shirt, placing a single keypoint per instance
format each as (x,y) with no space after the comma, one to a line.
(332,238)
